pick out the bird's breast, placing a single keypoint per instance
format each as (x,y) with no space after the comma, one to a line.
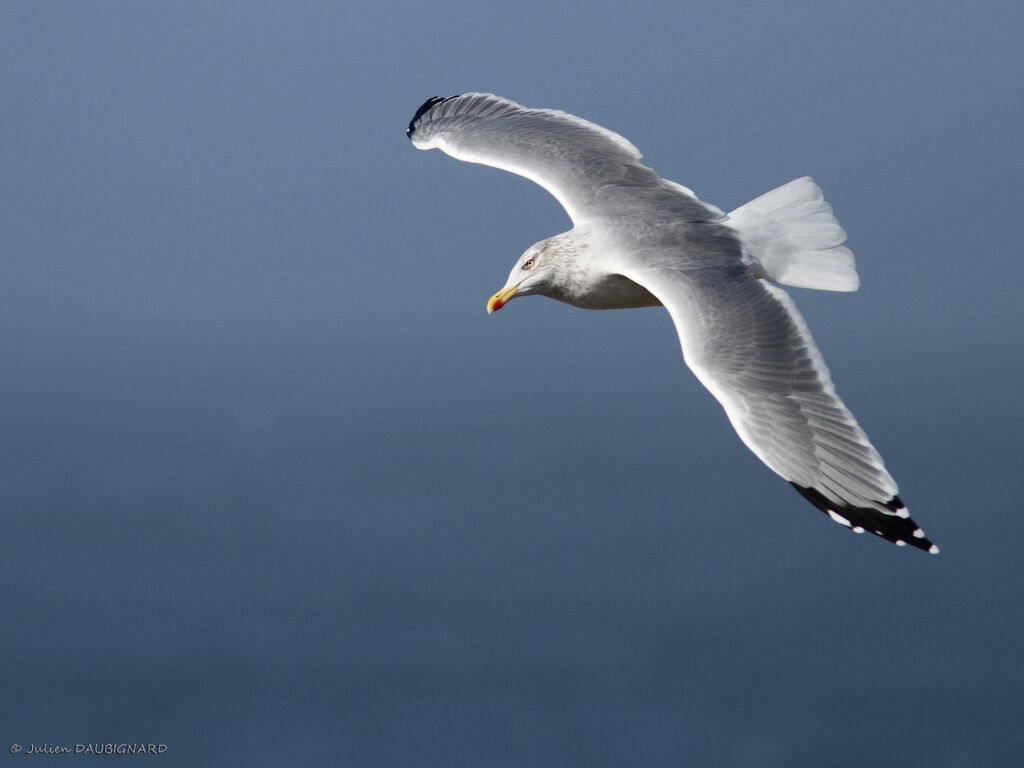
(609,292)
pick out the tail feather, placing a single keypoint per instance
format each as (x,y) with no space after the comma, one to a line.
(791,237)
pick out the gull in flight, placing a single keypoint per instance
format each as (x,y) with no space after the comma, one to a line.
(639,240)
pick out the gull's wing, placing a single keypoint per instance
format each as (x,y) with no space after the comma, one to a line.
(576,161)
(748,344)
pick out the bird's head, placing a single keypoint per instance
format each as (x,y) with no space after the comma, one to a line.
(538,270)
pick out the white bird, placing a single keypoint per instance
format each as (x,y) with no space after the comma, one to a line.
(640,240)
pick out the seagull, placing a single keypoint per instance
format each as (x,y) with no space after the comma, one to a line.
(639,240)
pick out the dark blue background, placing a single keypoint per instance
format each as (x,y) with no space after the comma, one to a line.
(276,491)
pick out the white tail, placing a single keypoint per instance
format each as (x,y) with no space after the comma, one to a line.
(791,237)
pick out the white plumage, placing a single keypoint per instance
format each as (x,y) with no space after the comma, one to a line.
(640,240)
(792,236)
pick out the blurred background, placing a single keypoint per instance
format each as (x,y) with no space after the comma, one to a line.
(276,490)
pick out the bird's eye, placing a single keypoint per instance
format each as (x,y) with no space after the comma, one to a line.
(528,264)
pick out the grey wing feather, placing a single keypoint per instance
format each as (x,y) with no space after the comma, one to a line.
(748,344)
(578,162)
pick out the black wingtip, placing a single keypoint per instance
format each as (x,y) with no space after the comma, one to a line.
(425,107)
(893,527)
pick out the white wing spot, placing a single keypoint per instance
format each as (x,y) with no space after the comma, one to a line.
(858,529)
(902,512)
(838,518)
(900,543)
(918,533)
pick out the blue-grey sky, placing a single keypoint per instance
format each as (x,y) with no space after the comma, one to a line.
(276,490)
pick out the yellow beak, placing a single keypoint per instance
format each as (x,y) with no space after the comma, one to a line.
(498,300)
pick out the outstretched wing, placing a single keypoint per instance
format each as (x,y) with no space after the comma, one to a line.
(571,158)
(748,344)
